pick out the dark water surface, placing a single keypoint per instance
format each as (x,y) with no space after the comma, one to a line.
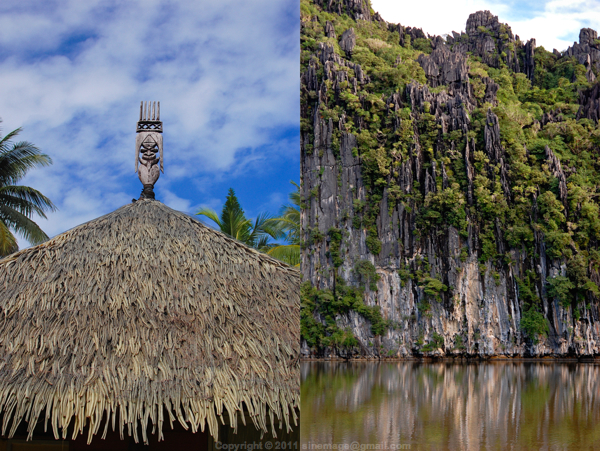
(450,406)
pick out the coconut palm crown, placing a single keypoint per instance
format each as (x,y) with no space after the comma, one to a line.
(18,203)
(233,222)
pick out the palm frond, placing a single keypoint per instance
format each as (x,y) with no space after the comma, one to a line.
(231,222)
(295,196)
(239,227)
(22,225)
(262,244)
(6,140)
(25,200)
(8,242)
(287,253)
(210,214)
(265,225)
(19,203)
(15,161)
(288,220)
(258,233)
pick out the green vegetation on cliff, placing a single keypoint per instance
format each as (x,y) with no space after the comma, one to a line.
(490,144)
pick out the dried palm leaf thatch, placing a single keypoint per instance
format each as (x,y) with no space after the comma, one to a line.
(142,314)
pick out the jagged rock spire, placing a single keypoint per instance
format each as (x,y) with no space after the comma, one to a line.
(148,143)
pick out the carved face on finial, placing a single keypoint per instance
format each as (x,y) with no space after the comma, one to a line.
(148,145)
(149,149)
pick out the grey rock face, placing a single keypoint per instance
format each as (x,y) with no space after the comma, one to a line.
(481,19)
(494,42)
(529,66)
(552,116)
(495,151)
(329,30)
(357,9)
(587,51)
(556,169)
(589,101)
(348,41)
(591,77)
(415,33)
(491,89)
(587,36)
(443,67)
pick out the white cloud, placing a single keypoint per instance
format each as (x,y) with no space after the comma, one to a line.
(436,17)
(554,24)
(559,24)
(174,201)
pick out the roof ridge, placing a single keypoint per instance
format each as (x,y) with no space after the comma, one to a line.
(253,252)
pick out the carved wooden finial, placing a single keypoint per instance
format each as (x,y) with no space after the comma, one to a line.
(148,143)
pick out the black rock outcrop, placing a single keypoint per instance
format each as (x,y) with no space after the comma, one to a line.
(494,42)
(588,48)
(329,30)
(529,61)
(556,169)
(348,41)
(357,9)
(589,99)
(444,67)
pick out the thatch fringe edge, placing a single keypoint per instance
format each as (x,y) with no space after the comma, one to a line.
(88,409)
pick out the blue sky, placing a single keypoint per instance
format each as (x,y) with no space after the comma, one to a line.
(73,73)
(554,24)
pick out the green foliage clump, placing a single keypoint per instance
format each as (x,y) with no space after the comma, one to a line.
(404,274)
(373,241)
(328,305)
(313,331)
(533,322)
(18,203)
(560,287)
(367,274)
(316,236)
(335,236)
(424,307)
(459,343)
(464,254)
(423,45)
(436,343)
(446,207)
(434,287)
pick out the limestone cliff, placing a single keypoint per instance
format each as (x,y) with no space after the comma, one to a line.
(450,189)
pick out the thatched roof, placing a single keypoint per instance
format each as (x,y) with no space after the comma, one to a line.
(146,313)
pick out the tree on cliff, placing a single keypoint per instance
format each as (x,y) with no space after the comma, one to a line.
(18,203)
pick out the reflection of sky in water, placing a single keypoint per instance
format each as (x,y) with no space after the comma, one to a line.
(441,406)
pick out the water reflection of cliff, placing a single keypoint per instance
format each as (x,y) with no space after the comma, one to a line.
(451,406)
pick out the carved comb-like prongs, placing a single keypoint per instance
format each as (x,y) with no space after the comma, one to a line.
(149,117)
(149,111)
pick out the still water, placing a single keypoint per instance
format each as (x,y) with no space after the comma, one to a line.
(449,406)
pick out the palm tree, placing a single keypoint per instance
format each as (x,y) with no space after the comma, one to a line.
(18,203)
(233,222)
(288,223)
